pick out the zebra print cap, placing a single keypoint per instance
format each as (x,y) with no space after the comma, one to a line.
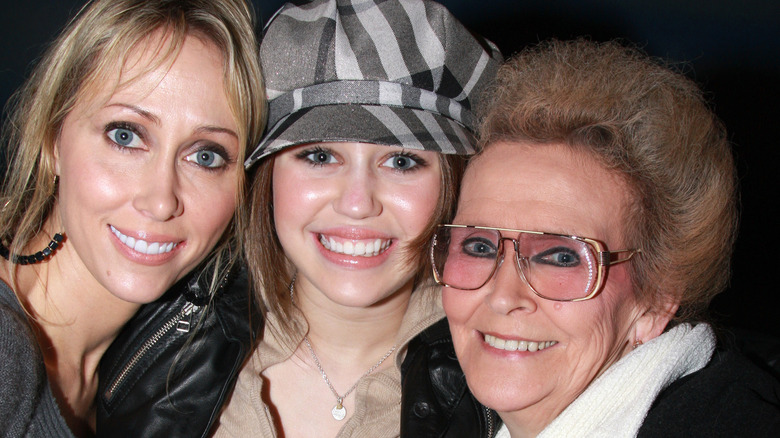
(394,72)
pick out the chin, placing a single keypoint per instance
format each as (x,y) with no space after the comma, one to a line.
(503,399)
(138,293)
(509,394)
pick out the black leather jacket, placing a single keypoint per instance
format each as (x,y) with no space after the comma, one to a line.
(436,401)
(142,394)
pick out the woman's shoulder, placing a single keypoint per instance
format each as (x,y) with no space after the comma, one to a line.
(16,335)
(21,369)
(731,396)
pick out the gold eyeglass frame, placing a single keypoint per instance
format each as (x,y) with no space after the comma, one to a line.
(604,258)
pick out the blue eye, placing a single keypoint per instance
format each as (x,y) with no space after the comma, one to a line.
(560,256)
(124,137)
(319,157)
(479,247)
(206,158)
(401,162)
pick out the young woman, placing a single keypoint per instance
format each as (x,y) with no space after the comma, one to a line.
(368,116)
(125,149)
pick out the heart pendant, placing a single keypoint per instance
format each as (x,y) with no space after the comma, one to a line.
(339,412)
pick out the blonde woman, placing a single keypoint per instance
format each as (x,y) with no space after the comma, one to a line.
(125,152)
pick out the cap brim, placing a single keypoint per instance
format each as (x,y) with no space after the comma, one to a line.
(377,124)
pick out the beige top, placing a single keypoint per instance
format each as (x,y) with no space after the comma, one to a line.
(377,396)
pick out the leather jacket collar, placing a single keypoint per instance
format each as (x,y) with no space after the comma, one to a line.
(436,401)
(172,366)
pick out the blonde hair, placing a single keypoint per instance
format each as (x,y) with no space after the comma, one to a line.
(88,52)
(652,126)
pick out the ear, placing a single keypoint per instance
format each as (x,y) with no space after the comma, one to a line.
(655,319)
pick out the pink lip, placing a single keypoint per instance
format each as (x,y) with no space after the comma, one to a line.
(144,235)
(351,233)
(141,258)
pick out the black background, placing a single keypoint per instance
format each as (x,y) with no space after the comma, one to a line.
(731,48)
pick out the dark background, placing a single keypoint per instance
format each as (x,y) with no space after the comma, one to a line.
(731,48)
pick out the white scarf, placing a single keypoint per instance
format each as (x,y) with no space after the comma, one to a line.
(615,404)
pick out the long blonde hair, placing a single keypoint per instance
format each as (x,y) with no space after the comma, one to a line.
(88,52)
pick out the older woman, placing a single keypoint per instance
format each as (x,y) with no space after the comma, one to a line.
(125,174)
(591,233)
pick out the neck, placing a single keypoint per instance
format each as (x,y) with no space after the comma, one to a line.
(520,430)
(334,328)
(77,319)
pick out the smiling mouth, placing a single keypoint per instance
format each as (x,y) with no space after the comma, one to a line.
(142,246)
(515,345)
(360,248)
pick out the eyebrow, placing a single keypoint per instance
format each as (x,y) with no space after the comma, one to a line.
(216,129)
(156,120)
(141,112)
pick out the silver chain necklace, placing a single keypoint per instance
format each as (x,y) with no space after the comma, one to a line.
(338,411)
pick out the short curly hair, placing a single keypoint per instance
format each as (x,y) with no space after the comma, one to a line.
(651,125)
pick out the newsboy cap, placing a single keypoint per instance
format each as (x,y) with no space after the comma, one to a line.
(392,72)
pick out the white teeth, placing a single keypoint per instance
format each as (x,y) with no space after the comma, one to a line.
(514,345)
(358,249)
(143,246)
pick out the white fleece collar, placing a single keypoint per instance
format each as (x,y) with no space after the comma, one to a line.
(616,403)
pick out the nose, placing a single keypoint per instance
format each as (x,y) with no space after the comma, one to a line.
(508,290)
(359,194)
(157,192)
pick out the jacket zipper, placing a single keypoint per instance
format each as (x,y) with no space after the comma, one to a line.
(181,321)
(489,422)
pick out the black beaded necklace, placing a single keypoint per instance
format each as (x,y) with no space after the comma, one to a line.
(32,258)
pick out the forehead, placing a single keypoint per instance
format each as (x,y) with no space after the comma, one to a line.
(145,61)
(544,187)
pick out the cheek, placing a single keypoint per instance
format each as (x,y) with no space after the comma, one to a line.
(415,204)
(586,326)
(598,332)
(460,309)
(295,201)
(213,208)
(458,305)
(87,186)
(92,175)
(294,195)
